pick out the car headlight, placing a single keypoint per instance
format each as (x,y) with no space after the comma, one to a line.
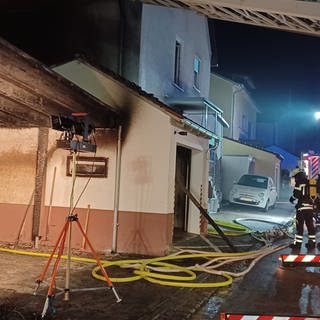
(261,195)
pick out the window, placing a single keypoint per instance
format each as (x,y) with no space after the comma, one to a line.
(254,181)
(177,64)
(196,73)
(244,123)
(250,133)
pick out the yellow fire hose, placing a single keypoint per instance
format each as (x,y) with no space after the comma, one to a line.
(142,268)
(229,228)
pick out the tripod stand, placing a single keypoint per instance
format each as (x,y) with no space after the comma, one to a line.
(67,229)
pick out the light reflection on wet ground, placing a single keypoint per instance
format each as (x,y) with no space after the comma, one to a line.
(257,224)
(210,310)
(269,289)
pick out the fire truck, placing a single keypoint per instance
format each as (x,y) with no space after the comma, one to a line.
(310,162)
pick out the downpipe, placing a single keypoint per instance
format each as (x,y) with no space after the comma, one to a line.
(116,193)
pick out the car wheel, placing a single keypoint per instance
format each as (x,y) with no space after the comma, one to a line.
(266,208)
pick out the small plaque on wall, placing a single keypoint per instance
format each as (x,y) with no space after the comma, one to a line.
(96,167)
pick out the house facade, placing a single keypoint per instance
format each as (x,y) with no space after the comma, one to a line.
(238,107)
(174,59)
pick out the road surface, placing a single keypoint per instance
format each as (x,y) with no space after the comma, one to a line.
(257,219)
(269,288)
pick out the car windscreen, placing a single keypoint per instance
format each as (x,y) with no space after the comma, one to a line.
(254,181)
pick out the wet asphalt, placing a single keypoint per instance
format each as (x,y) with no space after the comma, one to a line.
(269,288)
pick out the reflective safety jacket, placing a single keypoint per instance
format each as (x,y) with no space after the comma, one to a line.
(302,192)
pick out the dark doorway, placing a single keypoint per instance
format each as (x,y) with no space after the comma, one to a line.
(183,162)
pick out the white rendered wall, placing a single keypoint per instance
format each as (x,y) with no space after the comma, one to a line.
(161,28)
(147,179)
(99,192)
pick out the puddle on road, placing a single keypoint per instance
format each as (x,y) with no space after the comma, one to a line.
(309,299)
(210,310)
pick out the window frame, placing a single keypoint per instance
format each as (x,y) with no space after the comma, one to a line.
(177,63)
(196,72)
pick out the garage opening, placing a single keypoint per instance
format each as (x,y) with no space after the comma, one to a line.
(181,207)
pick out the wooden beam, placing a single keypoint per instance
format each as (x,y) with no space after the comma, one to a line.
(42,150)
(10,121)
(44,90)
(14,113)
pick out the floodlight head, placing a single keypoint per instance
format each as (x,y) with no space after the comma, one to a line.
(77,132)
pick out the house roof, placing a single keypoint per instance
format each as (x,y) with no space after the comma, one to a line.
(278,155)
(177,117)
(30,93)
(290,161)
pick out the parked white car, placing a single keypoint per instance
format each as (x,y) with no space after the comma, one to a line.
(254,190)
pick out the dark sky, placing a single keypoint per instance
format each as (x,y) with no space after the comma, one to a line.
(284,66)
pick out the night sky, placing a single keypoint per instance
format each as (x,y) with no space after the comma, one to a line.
(285,68)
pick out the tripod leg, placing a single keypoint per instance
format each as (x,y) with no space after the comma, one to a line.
(54,271)
(71,217)
(45,270)
(55,267)
(103,271)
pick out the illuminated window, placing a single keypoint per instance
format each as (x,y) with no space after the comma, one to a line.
(196,72)
(177,64)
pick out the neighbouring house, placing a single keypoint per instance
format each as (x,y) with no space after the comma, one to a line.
(239,110)
(239,158)
(180,66)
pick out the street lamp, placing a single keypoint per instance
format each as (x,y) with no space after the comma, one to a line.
(317,115)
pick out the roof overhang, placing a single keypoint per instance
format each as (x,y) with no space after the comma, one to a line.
(30,93)
(196,105)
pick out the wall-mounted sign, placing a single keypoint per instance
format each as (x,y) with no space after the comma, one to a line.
(96,167)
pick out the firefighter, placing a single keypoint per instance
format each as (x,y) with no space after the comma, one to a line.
(317,204)
(304,210)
